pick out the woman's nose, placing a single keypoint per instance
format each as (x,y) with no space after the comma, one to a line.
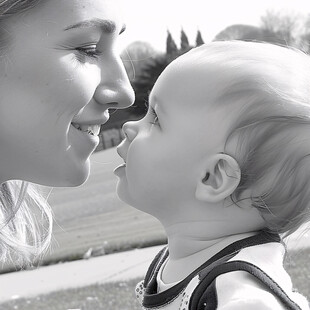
(114,89)
(130,130)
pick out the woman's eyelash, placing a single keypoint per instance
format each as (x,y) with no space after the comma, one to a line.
(85,50)
(90,52)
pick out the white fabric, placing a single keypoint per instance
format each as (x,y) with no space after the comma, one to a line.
(161,285)
(243,291)
(240,290)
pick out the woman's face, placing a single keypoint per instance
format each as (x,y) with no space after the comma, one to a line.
(60,74)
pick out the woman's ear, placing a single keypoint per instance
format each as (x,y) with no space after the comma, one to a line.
(221,178)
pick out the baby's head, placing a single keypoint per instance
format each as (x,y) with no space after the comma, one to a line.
(227,122)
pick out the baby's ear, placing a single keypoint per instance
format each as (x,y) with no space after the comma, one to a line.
(221,177)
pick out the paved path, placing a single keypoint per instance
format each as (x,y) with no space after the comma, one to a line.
(122,266)
(109,268)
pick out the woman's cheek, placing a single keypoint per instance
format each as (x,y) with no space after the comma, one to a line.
(79,81)
(85,74)
(88,76)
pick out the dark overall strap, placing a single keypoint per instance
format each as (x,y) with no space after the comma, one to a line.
(205,298)
(154,267)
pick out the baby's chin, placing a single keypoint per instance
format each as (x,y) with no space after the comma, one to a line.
(122,191)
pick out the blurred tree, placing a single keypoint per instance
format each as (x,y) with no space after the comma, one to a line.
(286,26)
(135,56)
(184,41)
(233,32)
(145,81)
(263,35)
(171,47)
(248,33)
(304,40)
(199,40)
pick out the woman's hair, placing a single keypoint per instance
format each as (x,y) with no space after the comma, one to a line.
(12,7)
(25,223)
(269,87)
(9,8)
(25,216)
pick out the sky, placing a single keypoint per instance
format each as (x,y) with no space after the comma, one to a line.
(149,20)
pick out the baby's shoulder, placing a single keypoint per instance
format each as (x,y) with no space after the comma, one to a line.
(243,285)
(253,304)
(241,290)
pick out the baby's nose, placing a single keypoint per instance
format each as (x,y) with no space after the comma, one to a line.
(129,130)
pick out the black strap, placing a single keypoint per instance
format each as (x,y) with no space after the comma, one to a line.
(155,265)
(204,297)
(152,299)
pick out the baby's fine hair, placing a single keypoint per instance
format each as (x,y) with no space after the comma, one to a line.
(269,86)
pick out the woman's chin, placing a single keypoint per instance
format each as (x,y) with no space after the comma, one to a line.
(75,176)
(79,177)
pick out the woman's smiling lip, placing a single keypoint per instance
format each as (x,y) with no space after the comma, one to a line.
(87,134)
(80,121)
(88,130)
(93,130)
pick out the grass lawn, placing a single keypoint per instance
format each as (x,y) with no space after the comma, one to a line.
(120,295)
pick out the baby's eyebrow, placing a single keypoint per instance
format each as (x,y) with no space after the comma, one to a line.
(156,102)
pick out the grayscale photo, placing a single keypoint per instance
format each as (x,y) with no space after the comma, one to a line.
(154,155)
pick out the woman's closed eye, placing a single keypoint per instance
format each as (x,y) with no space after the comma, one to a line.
(83,52)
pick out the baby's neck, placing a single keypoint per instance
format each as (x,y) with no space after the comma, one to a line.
(187,253)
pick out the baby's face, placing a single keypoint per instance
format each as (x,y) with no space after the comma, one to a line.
(166,152)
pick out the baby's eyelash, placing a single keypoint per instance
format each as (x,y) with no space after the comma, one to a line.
(154,116)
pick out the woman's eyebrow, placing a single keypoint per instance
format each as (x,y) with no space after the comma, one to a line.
(106,26)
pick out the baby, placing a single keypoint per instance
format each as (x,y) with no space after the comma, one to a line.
(222,161)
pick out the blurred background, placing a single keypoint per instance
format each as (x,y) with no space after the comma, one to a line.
(90,220)
(159,31)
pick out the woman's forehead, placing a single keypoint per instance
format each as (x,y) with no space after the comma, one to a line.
(65,15)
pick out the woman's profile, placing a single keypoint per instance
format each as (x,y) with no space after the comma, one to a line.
(60,72)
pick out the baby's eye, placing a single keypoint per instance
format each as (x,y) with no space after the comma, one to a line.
(154,117)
